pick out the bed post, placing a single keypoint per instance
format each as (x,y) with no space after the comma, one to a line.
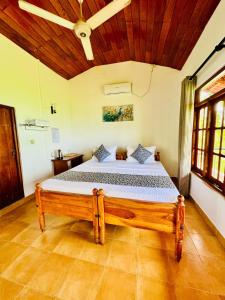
(41,215)
(101,212)
(157,156)
(180,214)
(95,215)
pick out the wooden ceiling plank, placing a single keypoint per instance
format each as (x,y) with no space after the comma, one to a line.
(74,52)
(167,20)
(102,30)
(69,61)
(130,34)
(46,4)
(183,25)
(69,11)
(17,28)
(27,23)
(110,33)
(47,52)
(97,35)
(202,8)
(150,28)
(158,22)
(18,40)
(135,10)
(152,31)
(143,27)
(50,64)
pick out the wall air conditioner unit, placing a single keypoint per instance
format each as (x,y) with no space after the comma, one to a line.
(117,88)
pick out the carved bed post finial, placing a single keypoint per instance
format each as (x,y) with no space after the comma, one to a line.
(41,215)
(101,210)
(157,156)
(179,226)
(95,215)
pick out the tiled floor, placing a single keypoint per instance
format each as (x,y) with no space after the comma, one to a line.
(64,262)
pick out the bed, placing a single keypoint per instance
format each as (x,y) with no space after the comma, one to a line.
(119,193)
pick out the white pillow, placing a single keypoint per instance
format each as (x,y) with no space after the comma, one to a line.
(111,157)
(130,150)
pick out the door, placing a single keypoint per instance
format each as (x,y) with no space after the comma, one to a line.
(11,186)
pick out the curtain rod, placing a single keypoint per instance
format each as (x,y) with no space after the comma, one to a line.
(218,48)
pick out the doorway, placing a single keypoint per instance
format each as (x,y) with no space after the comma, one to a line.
(11,184)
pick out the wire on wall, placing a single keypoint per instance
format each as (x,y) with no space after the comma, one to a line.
(149,84)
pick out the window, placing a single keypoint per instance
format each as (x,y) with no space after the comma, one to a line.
(208,144)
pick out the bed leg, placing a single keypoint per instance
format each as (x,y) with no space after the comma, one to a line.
(101,212)
(95,215)
(180,215)
(41,215)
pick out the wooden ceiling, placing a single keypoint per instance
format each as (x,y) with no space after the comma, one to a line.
(161,32)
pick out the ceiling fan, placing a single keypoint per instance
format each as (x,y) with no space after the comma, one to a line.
(82,28)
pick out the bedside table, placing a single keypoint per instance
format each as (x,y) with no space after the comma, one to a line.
(62,165)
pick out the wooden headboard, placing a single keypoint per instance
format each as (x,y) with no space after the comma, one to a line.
(122,155)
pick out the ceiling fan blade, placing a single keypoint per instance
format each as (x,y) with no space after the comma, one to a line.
(107,12)
(45,14)
(86,43)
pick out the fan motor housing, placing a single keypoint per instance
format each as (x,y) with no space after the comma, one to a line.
(82,29)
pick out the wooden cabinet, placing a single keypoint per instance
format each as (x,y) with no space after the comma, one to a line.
(62,165)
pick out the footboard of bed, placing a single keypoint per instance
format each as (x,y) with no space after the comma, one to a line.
(84,207)
(159,216)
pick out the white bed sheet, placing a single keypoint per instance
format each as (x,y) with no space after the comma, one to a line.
(120,191)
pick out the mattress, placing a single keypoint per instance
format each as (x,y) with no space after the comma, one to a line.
(121,179)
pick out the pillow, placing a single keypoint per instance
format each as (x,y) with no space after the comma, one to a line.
(101,153)
(141,154)
(111,157)
(151,158)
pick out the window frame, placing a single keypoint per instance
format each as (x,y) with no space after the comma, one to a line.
(210,103)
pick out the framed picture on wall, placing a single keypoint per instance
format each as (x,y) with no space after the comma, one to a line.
(117,113)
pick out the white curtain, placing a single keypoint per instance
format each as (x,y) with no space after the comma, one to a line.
(185,134)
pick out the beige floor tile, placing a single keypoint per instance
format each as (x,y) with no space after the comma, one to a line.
(215,267)
(61,222)
(208,245)
(123,256)
(197,226)
(190,272)
(9,251)
(29,217)
(154,263)
(153,239)
(96,253)
(48,240)
(9,290)
(116,285)
(11,230)
(71,244)
(199,275)
(28,294)
(50,275)
(27,236)
(82,226)
(126,234)
(189,294)
(81,282)
(23,268)
(154,290)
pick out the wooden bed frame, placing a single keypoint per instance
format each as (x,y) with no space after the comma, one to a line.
(101,209)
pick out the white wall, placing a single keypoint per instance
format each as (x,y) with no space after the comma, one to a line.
(30,87)
(212,203)
(155,115)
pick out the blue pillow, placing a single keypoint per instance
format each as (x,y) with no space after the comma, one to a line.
(101,153)
(141,154)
